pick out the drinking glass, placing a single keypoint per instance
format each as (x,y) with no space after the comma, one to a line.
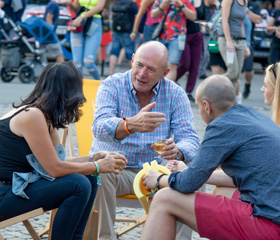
(159,145)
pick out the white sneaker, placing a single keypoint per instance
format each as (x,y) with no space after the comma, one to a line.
(239,98)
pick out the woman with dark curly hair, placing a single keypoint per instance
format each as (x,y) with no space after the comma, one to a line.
(33,172)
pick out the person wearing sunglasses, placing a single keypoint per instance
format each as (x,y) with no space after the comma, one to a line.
(271,90)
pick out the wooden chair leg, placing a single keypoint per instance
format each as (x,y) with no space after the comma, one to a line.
(45,230)
(48,227)
(129,227)
(53,213)
(31,230)
(91,230)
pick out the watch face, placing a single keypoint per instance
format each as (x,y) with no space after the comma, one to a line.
(178,155)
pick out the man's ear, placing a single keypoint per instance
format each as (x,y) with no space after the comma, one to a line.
(132,59)
(165,72)
(207,107)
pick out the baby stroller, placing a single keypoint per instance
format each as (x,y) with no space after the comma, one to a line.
(22,55)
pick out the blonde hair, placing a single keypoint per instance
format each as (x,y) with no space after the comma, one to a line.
(275,83)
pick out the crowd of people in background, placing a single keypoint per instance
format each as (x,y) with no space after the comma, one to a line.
(184,32)
(135,108)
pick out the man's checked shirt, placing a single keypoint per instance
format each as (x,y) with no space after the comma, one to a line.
(116,96)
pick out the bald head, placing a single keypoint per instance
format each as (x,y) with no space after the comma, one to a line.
(217,90)
(155,48)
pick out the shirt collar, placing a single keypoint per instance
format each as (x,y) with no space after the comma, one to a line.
(132,89)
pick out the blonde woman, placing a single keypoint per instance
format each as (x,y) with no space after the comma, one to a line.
(271,90)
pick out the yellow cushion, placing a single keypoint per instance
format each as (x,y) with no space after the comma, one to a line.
(83,126)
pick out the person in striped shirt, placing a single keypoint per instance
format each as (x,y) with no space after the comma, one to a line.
(133,110)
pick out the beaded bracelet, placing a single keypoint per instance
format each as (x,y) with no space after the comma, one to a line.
(97,174)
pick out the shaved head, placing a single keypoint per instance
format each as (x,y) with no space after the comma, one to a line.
(217,90)
(157,48)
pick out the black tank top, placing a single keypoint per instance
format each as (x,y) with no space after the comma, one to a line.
(13,151)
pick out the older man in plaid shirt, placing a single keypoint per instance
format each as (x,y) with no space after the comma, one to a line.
(133,109)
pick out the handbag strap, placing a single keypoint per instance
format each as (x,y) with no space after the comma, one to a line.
(165,15)
(215,20)
(88,5)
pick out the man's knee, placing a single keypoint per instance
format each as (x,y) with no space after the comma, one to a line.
(163,196)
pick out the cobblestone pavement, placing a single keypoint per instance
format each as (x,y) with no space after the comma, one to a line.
(18,232)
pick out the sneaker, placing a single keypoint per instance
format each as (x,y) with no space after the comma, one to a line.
(246,91)
(191,98)
(202,77)
(239,98)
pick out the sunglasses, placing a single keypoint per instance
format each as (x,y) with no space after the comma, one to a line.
(272,68)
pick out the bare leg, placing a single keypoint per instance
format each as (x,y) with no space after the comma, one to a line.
(249,76)
(165,210)
(121,56)
(173,72)
(237,87)
(216,69)
(225,191)
(113,63)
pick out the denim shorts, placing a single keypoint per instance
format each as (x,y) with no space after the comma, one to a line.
(248,62)
(174,52)
(122,40)
(148,32)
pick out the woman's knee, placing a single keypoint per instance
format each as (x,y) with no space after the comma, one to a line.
(89,62)
(81,185)
(232,74)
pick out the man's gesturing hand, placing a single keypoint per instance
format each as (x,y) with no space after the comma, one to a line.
(146,121)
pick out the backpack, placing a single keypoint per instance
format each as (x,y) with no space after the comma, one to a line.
(122,21)
(216,25)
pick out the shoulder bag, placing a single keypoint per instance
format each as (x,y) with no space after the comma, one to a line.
(159,28)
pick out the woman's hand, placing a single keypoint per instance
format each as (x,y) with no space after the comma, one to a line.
(247,52)
(64,2)
(99,155)
(170,150)
(112,163)
(176,166)
(150,180)
(230,46)
(77,21)
(133,36)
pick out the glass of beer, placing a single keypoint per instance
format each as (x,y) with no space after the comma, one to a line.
(159,145)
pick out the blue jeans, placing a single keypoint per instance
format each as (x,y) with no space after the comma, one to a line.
(73,195)
(84,49)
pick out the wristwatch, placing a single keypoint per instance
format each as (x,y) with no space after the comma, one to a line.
(178,155)
(91,157)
